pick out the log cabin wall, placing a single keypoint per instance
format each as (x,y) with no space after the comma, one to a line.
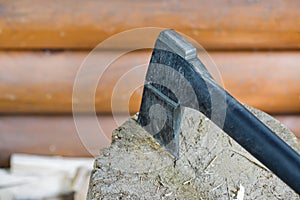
(255,45)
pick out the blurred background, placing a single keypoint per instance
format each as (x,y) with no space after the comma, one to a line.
(254,43)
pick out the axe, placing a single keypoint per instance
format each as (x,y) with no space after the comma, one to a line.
(176,78)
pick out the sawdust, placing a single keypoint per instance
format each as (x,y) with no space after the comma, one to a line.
(211,165)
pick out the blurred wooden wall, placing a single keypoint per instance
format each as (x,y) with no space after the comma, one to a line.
(255,45)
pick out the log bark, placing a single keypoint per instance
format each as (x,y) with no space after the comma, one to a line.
(216,25)
(32,135)
(42,82)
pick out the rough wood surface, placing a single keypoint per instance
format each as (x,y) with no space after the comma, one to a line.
(215,24)
(42,82)
(211,165)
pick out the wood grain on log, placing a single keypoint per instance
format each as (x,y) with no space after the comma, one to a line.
(216,25)
(211,165)
(42,82)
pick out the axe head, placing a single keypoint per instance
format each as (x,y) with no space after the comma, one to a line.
(166,88)
(160,116)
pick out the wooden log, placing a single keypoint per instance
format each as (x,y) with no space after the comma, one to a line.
(46,135)
(57,135)
(262,80)
(83,24)
(210,165)
(42,82)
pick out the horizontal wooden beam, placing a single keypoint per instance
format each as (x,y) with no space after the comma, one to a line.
(244,24)
(57,135)
(47,135)
(42,82)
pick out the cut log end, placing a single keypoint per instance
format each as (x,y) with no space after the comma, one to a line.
(211,165)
